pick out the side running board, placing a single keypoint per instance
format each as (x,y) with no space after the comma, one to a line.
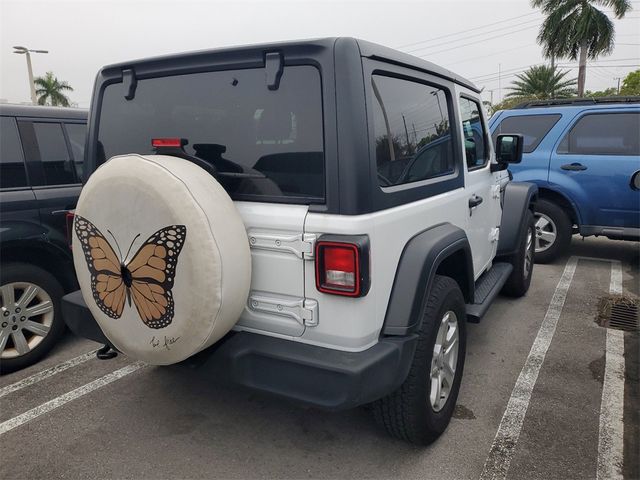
(487,288)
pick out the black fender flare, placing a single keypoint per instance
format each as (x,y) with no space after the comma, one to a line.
(516,199)
(419,261)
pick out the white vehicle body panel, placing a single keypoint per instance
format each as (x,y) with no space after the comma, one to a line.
(275,236)
(354,323)
(485,218)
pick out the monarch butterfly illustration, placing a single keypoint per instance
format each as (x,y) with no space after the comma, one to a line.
(147,278)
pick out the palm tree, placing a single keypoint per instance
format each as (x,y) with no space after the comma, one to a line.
(49,89)
(576,28)
(542,82)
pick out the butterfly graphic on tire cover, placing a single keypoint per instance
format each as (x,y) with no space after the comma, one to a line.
(147,278)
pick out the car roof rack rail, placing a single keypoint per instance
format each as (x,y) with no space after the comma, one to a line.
(559,102)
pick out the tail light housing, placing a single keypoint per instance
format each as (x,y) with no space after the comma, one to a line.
(342,265)
(69,221)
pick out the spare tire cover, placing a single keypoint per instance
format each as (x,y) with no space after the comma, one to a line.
(162,256)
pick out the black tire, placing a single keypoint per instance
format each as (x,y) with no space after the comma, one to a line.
(519,281)
(563,227)
(407,413)
(24,272)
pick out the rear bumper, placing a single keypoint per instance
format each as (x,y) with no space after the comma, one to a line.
(326,378)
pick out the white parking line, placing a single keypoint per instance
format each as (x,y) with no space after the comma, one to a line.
(497,464)
(611,430)
(36,377)
(615,287)
(67,397)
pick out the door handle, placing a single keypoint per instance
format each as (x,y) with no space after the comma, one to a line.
(573,167)
(474,201)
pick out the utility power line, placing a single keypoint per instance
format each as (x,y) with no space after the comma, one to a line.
(510,75)
(566,65)
(535,20)
(465,31)
(476,42)
(499,52)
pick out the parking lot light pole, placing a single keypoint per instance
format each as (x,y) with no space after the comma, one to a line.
(27,52)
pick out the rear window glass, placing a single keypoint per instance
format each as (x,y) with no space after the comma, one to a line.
(532,127)
(604,134)
(271,140)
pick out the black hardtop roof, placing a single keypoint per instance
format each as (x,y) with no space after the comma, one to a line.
(36,111)
(374,50)
(367,49)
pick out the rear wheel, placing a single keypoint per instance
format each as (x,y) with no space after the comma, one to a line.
(420,410)
(553,231)
(30,320)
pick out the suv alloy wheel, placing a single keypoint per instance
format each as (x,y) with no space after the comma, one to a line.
(553,231)
(30,320)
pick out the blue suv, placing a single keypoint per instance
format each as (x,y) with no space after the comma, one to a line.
(584,155)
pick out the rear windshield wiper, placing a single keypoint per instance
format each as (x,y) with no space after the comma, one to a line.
(254,174)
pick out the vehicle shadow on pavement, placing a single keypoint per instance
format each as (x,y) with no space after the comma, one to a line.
(278,437)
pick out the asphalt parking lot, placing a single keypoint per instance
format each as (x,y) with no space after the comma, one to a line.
(531,404)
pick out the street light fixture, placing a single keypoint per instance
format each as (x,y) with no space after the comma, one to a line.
(25,51)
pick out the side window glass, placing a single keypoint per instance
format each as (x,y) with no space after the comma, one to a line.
(532,127)
(51,150)
(603,134)
(76,132)
(12,169)
(475,146)
(412,131)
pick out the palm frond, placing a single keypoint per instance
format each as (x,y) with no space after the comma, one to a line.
(51,89)
(571,25)
(542,82)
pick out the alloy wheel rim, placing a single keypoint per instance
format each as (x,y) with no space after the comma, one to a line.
(546,232)
(444,361)
(26,316)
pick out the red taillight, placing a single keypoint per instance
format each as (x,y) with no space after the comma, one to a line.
(69,220)
(339,268)
(167,142)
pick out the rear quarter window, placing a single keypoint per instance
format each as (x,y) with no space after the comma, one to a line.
(603,134)
(532,127)
(272,138)
(412,131)
(47,154)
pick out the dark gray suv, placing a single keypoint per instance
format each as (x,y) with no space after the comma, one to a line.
(41,158)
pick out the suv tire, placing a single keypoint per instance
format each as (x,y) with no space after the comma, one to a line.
(409,413)
(519,281)
(15,277)
(550,217)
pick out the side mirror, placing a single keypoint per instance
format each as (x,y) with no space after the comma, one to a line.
(509,148)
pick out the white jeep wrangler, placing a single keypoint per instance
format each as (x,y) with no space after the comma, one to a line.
(314,219)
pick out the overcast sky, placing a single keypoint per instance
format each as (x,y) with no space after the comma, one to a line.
(472,38)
